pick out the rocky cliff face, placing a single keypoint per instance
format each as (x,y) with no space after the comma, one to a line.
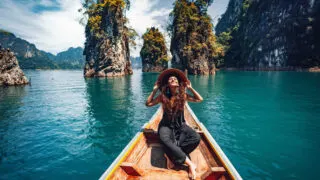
(272,34)
(154,51)
(107,43)
(10,72)
(193,45)
(231,17)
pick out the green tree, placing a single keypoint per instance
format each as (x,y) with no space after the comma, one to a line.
(154,49)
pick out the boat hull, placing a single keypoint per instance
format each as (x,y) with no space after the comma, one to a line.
(144,158)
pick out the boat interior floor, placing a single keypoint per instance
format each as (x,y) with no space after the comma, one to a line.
(147,159)
(151,162)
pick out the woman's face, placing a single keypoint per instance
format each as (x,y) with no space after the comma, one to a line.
(173,81)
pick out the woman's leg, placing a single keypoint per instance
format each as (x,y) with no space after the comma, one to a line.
(192,168)
(189,139)
(173,151)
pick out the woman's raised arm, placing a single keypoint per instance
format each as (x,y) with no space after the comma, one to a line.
(151,101)
(196,96)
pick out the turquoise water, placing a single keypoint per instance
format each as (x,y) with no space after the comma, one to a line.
(65,126)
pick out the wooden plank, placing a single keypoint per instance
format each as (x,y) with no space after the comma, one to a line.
(218,151)
(214,173)
(151,135)
(115,164)
(144,158)
(131,169)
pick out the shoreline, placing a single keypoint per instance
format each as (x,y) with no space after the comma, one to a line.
(312,69)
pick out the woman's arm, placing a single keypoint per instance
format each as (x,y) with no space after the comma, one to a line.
(151,101)
(196,96)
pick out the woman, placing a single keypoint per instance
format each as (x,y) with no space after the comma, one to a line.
(178,138)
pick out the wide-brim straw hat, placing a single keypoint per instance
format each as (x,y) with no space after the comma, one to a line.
(164,76)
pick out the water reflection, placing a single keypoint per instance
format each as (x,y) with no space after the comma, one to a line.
(11,98)
(11,102)
(115,113)
(64,126)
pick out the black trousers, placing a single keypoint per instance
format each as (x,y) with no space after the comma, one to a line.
(178,143)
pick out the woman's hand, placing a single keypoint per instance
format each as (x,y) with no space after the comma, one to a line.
(196,97)
(156,86)
(188,85)
(151,101)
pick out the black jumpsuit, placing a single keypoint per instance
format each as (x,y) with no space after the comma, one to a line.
(179,139)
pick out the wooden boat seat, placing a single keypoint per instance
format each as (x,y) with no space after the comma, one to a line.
(144,157)
(131,169)
(214,173)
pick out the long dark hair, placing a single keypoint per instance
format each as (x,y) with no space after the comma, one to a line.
(179,102)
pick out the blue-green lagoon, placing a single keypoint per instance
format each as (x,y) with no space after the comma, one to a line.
(64,126)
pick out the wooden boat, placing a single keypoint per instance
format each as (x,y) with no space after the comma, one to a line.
(144,158)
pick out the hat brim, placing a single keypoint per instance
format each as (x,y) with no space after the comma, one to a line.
(164,76)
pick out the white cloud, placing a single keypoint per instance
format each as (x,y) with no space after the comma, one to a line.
(144,14)
(52,31)
(55,31)
(46,3)
(217,8)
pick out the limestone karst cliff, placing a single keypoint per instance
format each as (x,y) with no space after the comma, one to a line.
(272,34)
(10,72)
(193,45)
(154,51)
(107,40)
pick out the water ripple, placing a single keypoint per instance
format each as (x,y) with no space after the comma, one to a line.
(65,126)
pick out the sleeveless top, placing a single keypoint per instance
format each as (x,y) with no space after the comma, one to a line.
(174,121)
(171,118)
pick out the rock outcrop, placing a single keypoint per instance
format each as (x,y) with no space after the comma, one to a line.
(272,35)
(10,72)
(154,51)
(107,40)
(231,17)
(193,45)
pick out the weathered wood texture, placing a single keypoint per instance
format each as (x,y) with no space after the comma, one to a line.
(147,160)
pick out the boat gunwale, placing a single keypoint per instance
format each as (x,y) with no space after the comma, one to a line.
(124,153)
(215,146)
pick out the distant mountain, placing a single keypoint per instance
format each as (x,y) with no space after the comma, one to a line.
(69,59)
(30,57)
(136,62)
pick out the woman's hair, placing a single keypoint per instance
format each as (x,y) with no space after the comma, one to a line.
(180,101)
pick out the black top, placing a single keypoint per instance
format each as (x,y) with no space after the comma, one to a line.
(173,120)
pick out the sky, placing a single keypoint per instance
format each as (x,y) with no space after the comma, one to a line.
(53,25)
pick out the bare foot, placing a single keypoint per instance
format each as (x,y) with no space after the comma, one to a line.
(192,171)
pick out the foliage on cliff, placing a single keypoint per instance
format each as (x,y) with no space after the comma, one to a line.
(111,11)
(154,47)
(191,30)
(277,34)
(95,12)
(107,38)
(225,38)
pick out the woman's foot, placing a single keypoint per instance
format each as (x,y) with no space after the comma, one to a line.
(192,171)
(192,168)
